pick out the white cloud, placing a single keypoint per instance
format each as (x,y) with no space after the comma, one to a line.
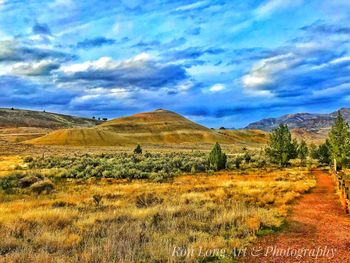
(255,79)
(217,88)
(264,11)
(345,87)
(116,28)
(102,63)
(118,93)
(190,6)
(271,6)
(73,29)
(105,63)
(62,3)
(34,68)
(340,60)
(142,57)
(264,71)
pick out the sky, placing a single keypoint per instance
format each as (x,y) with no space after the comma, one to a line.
(218,62)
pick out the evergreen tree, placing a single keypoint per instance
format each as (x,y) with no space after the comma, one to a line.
(313,151)
(322,153)
(303,151)
(138,149)
(217,159)
(281,147)
(339,142)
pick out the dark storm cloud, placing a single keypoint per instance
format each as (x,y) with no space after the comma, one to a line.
(193,31)
(41,29)
(323,28)
(191,53)
(12,51)
(19,91)
(95,42)
(143,74)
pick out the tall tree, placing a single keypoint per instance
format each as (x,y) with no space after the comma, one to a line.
(321,153)
(281,147)
(339,142)
(217,159)
(303,151)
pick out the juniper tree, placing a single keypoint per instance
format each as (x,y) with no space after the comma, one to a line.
(217,159)
(322,153)
(138,149)
(339,142)
(303,151)
(281,147)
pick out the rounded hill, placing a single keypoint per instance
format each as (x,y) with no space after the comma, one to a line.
(156,127)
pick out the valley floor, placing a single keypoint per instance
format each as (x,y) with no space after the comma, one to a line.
(317,222)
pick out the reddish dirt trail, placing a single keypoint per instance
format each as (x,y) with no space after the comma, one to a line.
(317,221)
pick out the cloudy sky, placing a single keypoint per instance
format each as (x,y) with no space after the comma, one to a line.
(221,63)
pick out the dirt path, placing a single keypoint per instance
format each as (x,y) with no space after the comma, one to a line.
(318,230)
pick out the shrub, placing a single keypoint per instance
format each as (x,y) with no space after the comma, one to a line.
(42,186)
(7,183)
(247,158)
(217,159)
(147,200)
(138,149)
(28,181)
(28,159)
(97,199)
(237,162)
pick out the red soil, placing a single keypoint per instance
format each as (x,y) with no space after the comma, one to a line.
(317,223)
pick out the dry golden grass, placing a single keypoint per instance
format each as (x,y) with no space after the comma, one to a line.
(144,221)
(247,137)
(8,164)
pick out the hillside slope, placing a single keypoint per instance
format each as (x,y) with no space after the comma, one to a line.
(157,127)
(247,137)
(14,118)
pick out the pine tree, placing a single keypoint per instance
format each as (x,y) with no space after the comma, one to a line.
(217,159)
(281,147)
(138,149)
(339,142)
(303,151)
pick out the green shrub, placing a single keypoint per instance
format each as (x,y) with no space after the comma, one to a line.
(42,187)
(217,159)
(138,149)
(28,181)
(28,159)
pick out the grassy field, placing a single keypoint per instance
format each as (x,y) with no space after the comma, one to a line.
(47,216)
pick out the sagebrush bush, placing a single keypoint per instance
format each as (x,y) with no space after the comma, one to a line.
(158,167)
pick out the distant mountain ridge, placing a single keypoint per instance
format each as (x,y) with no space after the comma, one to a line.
(307,121)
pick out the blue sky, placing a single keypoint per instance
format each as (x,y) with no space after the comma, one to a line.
(220,63)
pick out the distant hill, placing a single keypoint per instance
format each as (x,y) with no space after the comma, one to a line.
(306,121)
(157,127)
(14,118)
